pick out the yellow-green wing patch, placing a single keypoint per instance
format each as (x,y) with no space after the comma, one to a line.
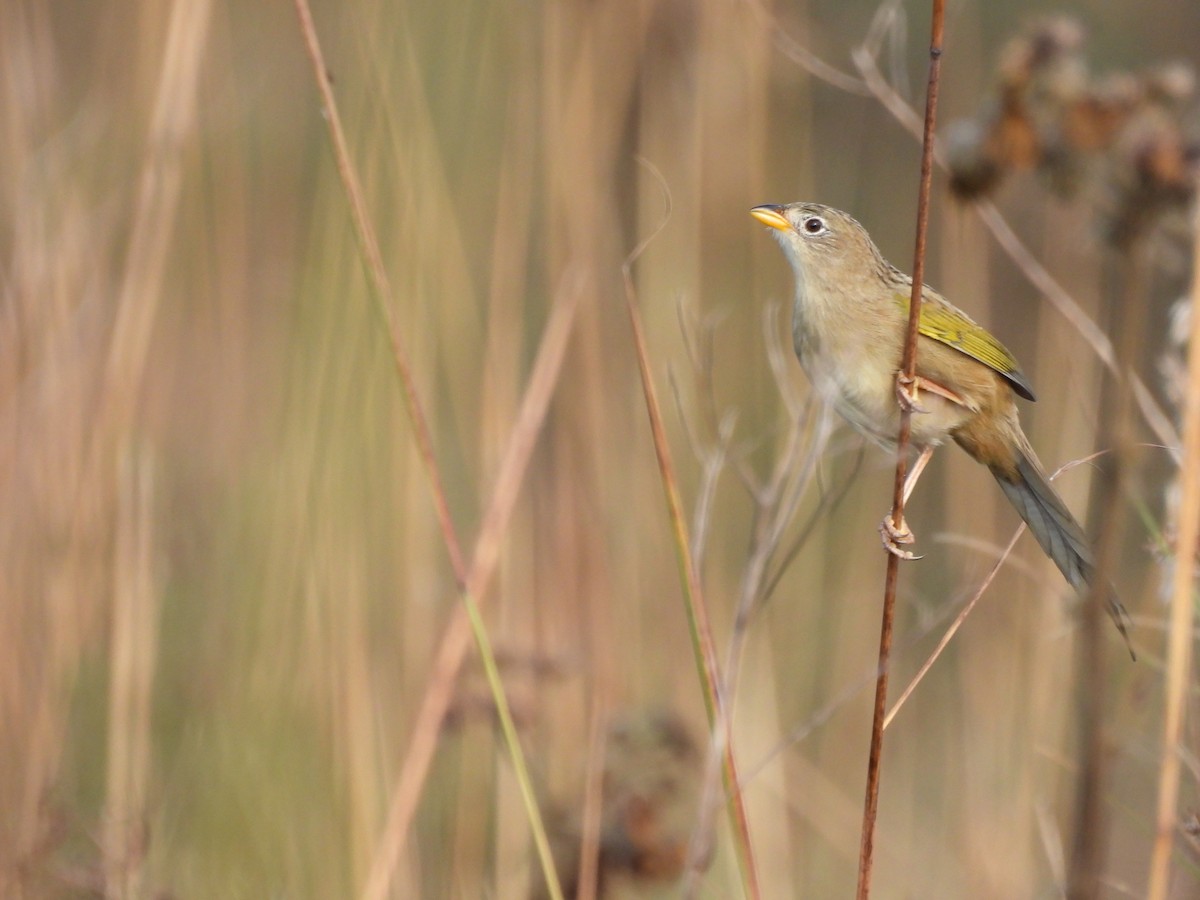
(949,326)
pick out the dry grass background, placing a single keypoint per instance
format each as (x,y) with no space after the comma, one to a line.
(221,578)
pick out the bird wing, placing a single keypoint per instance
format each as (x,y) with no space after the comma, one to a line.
(949,325)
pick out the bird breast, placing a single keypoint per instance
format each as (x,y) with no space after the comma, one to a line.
(852,372)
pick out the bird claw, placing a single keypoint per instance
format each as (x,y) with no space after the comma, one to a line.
(894,535)
(907,388)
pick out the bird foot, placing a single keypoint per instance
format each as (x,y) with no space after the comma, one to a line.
(907,390)
(894,536)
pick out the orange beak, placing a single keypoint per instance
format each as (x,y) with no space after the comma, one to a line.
(772,216)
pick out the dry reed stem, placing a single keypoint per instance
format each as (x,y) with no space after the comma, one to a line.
(173,122)
(68,421)
(132,654)
(699,627)
(1180,637)
(381,290)
(473,582)
(909,367)
(775,504)
(456,638)
(133,645)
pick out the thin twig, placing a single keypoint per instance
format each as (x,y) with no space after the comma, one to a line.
(1179,639)
(909,365)
(849,691)
(953,629)
(381,290)
(699,627)
(805,58)
(829,502)
(774,508)
(970,604)
(473,582)
(712,463)
(456,638)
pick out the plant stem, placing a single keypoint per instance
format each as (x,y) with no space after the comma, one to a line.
(909,365)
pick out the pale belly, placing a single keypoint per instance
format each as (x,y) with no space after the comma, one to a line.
(866,398)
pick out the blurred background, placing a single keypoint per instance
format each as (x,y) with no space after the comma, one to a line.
(222,581)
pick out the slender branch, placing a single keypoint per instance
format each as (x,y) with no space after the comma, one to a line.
(804,57)
(456,638)
(871,802)
(381,290)
(472,582)
(774,503)
(948,636)
(699,627)
(970,604)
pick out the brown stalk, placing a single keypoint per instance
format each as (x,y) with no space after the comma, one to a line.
(1179,639)
(456,639)
(909,366)
(133,647)
(159,187)
(775,502)
(132,654)
(473,582)
(381,290)
(700,629)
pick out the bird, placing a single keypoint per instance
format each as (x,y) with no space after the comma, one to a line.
(849,322)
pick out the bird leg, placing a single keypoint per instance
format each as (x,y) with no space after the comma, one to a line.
(918,466)
(908,388)
(894,534)
(907,395)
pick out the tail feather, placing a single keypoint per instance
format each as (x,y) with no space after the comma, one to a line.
(1056,530)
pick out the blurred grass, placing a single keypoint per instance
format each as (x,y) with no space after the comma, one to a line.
(294,568)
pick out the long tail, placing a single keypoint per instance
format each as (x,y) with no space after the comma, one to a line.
(1056,529)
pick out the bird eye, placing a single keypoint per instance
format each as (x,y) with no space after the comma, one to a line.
(814,224)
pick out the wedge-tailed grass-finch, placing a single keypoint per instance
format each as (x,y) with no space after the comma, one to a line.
(848,327)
